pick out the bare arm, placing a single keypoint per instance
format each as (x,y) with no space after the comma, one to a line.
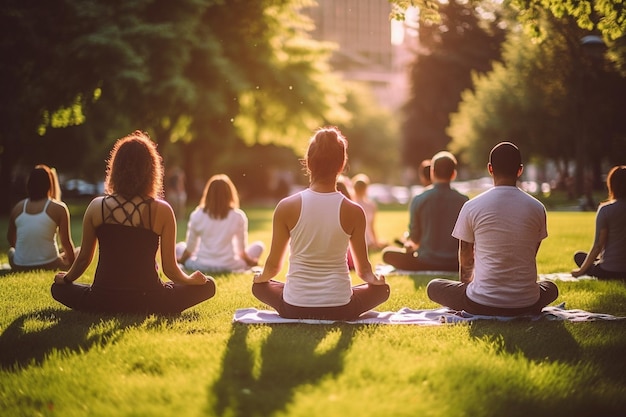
(596,249)
(353,221)
(165,225)
(64,232)
(87,246)
(466,261)
(284,215)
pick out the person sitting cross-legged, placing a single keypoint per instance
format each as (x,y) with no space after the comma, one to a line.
(129,225)
(318,224)
(430,245)
(499,234)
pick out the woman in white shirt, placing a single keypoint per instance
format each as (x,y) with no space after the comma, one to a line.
(217,232)
(318,224)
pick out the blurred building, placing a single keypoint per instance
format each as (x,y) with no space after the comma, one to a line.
(371,47)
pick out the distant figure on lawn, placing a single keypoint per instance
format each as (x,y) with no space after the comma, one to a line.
(607,257)
(319,224)
(175,191)
(360,184)
(129,224)
(217,232)
(36,222)
(499,234)
(344,186)
(424,173)
(432,214)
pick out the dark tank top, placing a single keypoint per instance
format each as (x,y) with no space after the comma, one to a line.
(127,247)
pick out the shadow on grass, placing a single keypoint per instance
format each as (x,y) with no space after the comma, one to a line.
(31,337)
(537,341)
(420,281)
(290,356)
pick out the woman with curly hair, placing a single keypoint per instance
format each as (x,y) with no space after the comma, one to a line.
(318,224)
(129,224)
(217,232)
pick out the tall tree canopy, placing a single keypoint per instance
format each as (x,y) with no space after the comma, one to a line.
(202,74)
(462,41)
(550,98)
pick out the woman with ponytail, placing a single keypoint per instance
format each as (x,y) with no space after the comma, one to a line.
(319,224)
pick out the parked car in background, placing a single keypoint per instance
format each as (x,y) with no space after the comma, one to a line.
(77,187)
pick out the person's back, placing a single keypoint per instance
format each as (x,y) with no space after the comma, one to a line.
(36,223)
(36,235)
(217,232)
(613,215)
(217,243)
(317,225)
(499,234)
(128,225)
(505,224)
(318,273)
(432,214)
(607,259)
(127,245)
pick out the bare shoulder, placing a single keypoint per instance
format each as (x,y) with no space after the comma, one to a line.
(163,211)
(288,210)
(289,203)
(162,205)
(351,207)
(94,207)
(58,205)
(18,208)
(96,202)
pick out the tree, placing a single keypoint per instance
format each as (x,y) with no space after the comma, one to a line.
(372,135)
(200,75)
(460,42)
(550,100)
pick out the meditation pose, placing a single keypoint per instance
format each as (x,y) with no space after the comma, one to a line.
(607,257)
(36,222)
(432,214)
(129,224)
(499,234)
(217,232)
(318,224)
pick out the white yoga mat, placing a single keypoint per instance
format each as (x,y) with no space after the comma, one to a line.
(389,270)
(434,317)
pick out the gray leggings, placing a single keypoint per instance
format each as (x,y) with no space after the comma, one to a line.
(452,294)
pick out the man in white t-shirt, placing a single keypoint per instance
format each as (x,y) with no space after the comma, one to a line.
(499,234)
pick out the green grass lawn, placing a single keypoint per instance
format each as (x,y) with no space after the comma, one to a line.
(56,362)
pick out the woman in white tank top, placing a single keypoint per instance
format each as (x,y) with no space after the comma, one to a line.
(34,223)
(318,224)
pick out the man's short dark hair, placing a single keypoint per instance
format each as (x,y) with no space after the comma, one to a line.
(505,159)
(443,165)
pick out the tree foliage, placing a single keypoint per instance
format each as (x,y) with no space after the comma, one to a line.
(450,50)
(199,75)
(550,98)
(373,138)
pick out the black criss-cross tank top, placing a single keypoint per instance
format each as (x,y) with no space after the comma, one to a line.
(127,247)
